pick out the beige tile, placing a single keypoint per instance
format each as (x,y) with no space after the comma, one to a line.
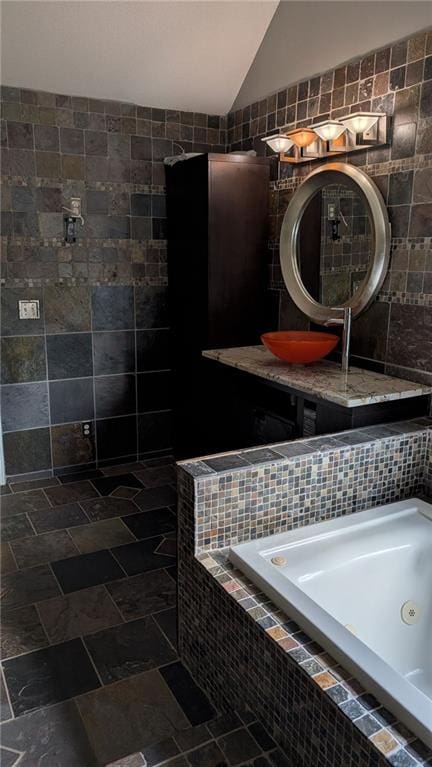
(384,741)
(101,535)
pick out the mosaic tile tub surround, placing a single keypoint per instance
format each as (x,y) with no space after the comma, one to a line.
(318,712)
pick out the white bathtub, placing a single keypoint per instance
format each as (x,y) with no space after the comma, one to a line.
(345,582)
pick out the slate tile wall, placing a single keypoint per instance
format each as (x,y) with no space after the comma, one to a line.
(100,351)
(395,334)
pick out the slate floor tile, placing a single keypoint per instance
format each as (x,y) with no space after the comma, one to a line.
(106,485)
(86,570)
(261,736)
(156,498)
(160,752)
(33,484)
(57,730)
(20,503)
(208,755)
(57,518)
(7,562)
(167,621)
(21,632)
(144,594)
(238,746)
(142,556)
(100,535)
(9,758)
(150,523)
(79,476)
(27,586)
(15,527)
(224,724)
(193,737)
(122,468)
(157,476)
(76,491)
(134,760)
(82,612)
(40,549)
(129,649)
(108,507)
(126,717)
(49,676)
(191,698)
(5,709)
(124,492)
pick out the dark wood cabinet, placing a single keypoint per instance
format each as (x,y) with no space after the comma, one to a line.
(217,217)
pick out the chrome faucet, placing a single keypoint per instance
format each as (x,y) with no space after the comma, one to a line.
(346,335)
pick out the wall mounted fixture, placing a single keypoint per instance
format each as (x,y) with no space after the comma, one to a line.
(351,133)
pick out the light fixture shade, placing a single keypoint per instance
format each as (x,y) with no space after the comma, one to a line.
(302,137)
(279,142)
(329,130)
(360,122)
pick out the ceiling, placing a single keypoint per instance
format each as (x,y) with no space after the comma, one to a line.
(200,55)
(180,55)
(308,37)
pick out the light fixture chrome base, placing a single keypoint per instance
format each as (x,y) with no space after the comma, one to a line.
(348,142)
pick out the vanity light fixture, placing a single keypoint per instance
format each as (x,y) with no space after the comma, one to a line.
(280,142)
(360,122)
(302,137)
(329,130)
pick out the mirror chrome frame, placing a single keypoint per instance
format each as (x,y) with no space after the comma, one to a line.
(358,181)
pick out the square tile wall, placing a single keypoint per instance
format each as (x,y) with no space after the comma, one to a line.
(100,351)
(396,331)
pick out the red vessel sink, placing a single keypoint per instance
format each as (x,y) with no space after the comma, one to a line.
(299,346)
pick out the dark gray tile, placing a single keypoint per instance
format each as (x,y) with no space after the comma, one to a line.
(69,355)
(208,755)
(157,476)
(70,447)
(260,455)
(147,524)
(400,189)
(153,350)
(151,306)
(124,718)
(23,199)
(369,332)
(128,649)
(78,614)
(144,555)
(41,549)
(46,138)
(5,714)
(191,698)
(32,500)
(97,202)
(140,204)
(160,752)
(15,527)
(154,432)
(112,307)
(85,570)
(10,322)
(420,223)
(7,562)
(167,621)
(49,200)
(55,730)
(49,676)
(76,491)
(67,309)
(141,148)
(239,746)
(107,508)
(155,391)
(410,336)
(27,451)
(23,359)
(96,142)
(226,462)
(71,400)
(100,535)
(24,406)
(116,437)
(20,135)
(144,594)
(26,225)
(156,498)
(107,485)
(28,586)
(224,724)
(22,632)
(71,141)
(115,395)
(59,518)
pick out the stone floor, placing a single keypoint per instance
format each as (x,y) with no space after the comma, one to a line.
(90,670)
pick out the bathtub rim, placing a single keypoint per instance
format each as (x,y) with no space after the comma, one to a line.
(416,709)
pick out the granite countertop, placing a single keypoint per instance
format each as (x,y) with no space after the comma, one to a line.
(321,380)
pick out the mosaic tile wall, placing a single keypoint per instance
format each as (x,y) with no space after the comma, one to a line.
(396,332)
(239,646)
(100,351)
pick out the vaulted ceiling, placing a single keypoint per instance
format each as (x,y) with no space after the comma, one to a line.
(199,55)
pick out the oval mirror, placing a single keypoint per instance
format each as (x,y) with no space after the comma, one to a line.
(335,242)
